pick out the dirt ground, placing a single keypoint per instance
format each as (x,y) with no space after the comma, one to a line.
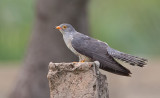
(144,83)
(8,75)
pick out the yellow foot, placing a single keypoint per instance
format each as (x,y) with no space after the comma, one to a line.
(82,61)
(79,61)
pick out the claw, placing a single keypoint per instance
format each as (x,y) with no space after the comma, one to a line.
(82,61)
(79,61)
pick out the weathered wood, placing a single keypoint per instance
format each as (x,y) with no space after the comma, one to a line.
(77,80)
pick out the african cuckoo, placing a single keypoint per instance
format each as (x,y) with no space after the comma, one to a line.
(89,49)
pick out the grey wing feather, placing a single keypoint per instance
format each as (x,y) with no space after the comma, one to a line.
(133,60)
(97,50)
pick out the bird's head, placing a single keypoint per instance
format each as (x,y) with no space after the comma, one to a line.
(65,28)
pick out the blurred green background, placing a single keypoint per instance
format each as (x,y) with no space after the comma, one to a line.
(132,26)
(16,19)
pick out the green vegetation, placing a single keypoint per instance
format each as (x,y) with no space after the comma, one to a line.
(132,26)
(16,18)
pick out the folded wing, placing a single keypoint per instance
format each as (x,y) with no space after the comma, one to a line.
(97,50)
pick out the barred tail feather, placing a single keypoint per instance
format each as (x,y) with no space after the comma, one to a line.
(132,60)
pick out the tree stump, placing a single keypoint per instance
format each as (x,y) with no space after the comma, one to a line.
(77,80)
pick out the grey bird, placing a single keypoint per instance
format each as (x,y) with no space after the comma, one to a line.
(89,49)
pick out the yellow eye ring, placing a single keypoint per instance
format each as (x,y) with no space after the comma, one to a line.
(64,27)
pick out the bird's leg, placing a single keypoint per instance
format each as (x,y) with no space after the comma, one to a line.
(83,58)
(82,61)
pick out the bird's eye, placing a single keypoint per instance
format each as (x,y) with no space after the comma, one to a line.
(64,27)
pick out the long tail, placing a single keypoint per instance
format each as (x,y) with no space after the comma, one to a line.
(132,60)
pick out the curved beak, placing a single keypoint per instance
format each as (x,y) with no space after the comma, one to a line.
(58,27)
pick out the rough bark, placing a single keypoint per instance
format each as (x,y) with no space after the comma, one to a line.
(76,80)
(47,44)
